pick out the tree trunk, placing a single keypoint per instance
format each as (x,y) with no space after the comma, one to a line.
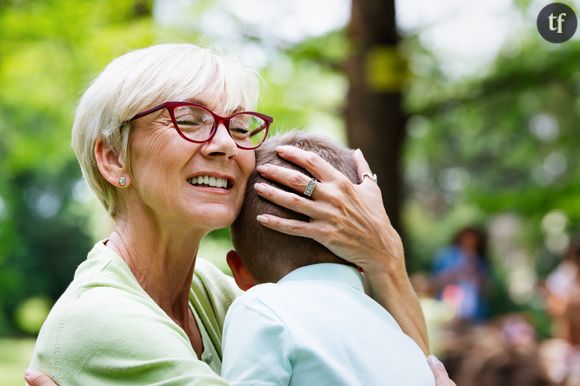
(374,116)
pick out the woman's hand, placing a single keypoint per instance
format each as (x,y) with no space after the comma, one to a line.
(36,378)
(441,376)
(351,221)
(348,219)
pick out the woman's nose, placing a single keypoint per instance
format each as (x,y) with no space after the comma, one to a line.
(221,144)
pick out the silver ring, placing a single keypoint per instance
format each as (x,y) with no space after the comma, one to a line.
(310,187)
(370,175)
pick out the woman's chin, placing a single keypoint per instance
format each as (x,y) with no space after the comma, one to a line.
(214,217)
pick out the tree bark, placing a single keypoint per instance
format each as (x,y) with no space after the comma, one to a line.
(374,115)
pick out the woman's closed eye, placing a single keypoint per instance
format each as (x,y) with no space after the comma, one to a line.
(239,131)
(189,122)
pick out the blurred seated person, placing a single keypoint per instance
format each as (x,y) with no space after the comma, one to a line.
(500,352)
(461,275)
(562,286)
(561,355)
(560,362)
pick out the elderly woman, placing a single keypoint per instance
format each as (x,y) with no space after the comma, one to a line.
(165,138)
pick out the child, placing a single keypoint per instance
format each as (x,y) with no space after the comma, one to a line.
(305,319)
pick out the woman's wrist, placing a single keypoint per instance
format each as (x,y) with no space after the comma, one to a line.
(391,288)
(388,258)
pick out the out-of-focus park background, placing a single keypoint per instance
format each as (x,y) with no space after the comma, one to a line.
(467,115)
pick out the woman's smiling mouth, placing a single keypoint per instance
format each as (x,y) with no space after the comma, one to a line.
(204,180)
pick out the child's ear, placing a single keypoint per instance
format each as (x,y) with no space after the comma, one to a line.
(242,276)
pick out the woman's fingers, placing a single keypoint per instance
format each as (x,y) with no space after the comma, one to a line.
(312,162)
(293,179)
(350,220)
(288,226)
(362,166)
(288,200)
(361,163)
(441,376)
(36,378)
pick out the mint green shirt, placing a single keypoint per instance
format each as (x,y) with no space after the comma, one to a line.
(317,327)
(106,330)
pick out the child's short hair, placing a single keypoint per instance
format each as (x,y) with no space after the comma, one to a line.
(268,254)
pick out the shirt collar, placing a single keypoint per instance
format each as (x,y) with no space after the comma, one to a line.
(327,272)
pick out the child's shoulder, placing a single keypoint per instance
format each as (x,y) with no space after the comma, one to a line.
(260,298)
(259,292)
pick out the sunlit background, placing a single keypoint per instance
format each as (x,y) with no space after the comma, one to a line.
(489,133)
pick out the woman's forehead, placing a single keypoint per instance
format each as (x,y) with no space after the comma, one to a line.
(218,105)
(217,100)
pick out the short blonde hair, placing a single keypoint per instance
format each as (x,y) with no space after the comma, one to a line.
(142,79)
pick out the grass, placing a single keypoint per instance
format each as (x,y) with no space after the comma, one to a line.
(14,358)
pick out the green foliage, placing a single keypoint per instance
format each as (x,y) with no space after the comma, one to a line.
(31,314)
(14,359)
(49,51)
(504,141)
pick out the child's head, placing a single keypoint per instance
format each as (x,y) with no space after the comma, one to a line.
(267,255)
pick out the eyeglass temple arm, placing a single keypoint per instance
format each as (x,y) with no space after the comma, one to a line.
(257,130)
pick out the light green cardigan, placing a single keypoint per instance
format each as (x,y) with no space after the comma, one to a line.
(106,330)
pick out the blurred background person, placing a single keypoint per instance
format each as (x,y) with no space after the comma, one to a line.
(561,355)
(461,275)
(500,353)
(562,286)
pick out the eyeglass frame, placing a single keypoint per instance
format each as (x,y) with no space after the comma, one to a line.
(217,120)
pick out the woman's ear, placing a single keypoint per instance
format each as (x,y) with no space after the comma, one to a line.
(244,279)
(111,165)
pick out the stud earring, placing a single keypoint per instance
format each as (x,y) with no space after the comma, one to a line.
(122,180)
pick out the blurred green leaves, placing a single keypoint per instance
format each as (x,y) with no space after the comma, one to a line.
(49,51)
(504,142)
(31,314)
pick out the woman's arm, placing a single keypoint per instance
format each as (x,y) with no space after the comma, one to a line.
(351,221)
(35,378)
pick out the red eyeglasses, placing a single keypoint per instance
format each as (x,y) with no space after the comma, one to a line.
(196,123)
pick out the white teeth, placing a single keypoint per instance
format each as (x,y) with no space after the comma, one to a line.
(210,181)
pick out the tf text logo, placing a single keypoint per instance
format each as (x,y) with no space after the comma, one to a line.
(557,22)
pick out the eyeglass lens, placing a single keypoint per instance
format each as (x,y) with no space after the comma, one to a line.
(196,123)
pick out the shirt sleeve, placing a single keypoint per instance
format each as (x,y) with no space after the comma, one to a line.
(257,347)
(112,339)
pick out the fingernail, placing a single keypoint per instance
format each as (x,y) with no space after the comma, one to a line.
(432,359)
(259,187)
(283,148)
(261,218)
(261,168)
